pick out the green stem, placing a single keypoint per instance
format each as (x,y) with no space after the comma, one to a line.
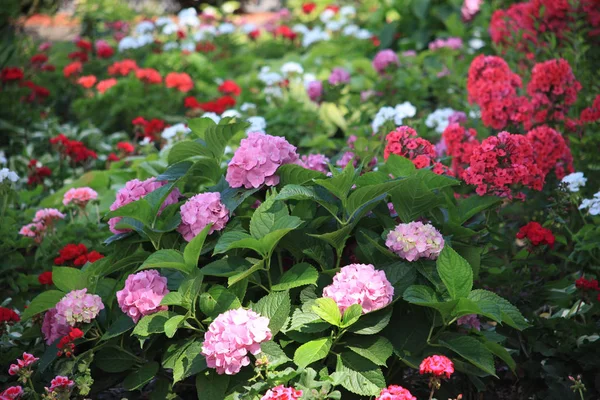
(30,384)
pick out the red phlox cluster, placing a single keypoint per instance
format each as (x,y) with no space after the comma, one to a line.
(148,75)
(405,142)
(205,47)
(126,147)
(123,67)
(460,143)
(536,234)
(591,114)
(230,87)
(180,81)
(74,68)
(285,32)
(217,106)
(37,93)
(74,149)
(550,151)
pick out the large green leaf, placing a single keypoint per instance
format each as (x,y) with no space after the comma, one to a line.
(67,278)
(377,349)
(167,258)
(312,351)
(399,166)
(372,323)
(120,326)
(139,210)
(361,376)
(413,198)
(509,314)
(299,275)
(474,204)
(455,272)
(217,136)
(113,360)
(192,250)
(211,386)
(341,183)
(42,302)
(186,149)
(140,377)
(295,174)
(328,310)
(315,193)
(153,323)
(276,306)
(217,300)
(472,350)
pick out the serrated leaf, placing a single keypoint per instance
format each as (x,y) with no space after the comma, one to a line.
(192,250)
(153,323)
(217,300)
(276,306)
(372,323)
(362,377)
(377,349)
(226,267)
(113,360)
(328,310)
(351,315)
(295,174)
(42,302)
(474,204)
(172,299)
(455,272)
(274,353)
(299,275)
(166,258)
(312,351)
(139,378)
(67,278)
(173,324)
(183,150)
(340,184)
(502,353)
(472,350)
(211,386)
(120,326)
(509,314)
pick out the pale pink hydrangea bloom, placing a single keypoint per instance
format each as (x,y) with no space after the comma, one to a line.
(282,393)
(395,392)
(469,321)
(316,162)
(48,215)
(34,230)
(346,158)
(384,59)
(142,294)
(314,90)
(339,75)
(453,43)
(135,190)
(25,362)
(79,196)
(52,328)
(409,53)
(437,365)
(470,8)
(360,284)
(60,384)
(415,240)
(231,336)
(201,210)
(77,306)
(257,159)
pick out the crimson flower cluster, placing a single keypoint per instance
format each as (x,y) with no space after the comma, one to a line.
(8,316)
(536,234)
(405,142)
(217,106)
(588,285)
(76,255)
(460,143)
(37,172)
(66,345)
(150,129)
(74,149)
(550,151)
(230,87)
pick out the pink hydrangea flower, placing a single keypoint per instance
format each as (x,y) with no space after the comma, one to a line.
(52,328)
(415,240)
(383,60)
(48,215)
(314,90)
(79,196)
(395,392)
(11,393)
(338,76)
(360,284)
(437,365)
(346,158)
(282,393)
(316,162)
(201,210)
(60,384)
(453,43)
(257,159)
(34,230)
(25,362)
(135,190)
(231,336)
(469,321)
(142,294)
(470,8)
(77,306)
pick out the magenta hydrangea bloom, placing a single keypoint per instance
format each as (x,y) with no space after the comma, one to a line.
(257,159)
(360,284)
(48,215)
(135,190)
(415,240)
(384,59)
(395,392)
(77,306)
(346,158)
(79,196)
(469,321)
(316,162)
(453,43)
(52,328)
(338,76)
(142,294)
(231,336)
(314,90)
(201,210)
(282,393)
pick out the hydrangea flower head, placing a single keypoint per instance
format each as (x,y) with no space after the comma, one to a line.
(77,306)
(395,392)
(257,159)
(469,321)
(383,60)
(231,336)
(316,162)
(135,190)
(282,393)
(415,240)
(52,328)
(339,76)
(314,90)
(437,365)
(360,284)
(79,196)
(142,294)
(201,210)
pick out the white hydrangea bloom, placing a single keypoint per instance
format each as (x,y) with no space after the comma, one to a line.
(257,124)
(226,28)
(326,15)
(347,11)
(231,114)
(144,40)
(160,21)
(317,34)
(574,181)
(476,43)
(334,25)
(291,67)
(593,204)
(7,174)
(363,34)
(128,42)
(247,106)
(439,119)
(212,116)
(350,30)
(170,28)
(247,28)
(144,27)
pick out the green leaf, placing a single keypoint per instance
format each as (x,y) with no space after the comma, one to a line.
(172,299)
(232,280)
(399,166)
(299,275)
(113,360)
(199,125)
(67,278)
(211,386)
(509,314)
(315,193)
(166,258)
(274,353)
(472,205)
(502,353)
(295,174)
(351,315)
(366,194)
(139,378)
(341,183)
(153,323)
(338,238)
(42,302)
(190,362)
(186,149)
(175,171)
(306,322)
(139,210)
(361,375)
(420,8)
(173,324)
(372,323)
(413,198)
(374,348)
(192,250)
(276,306)
(472,350)
(328,310)
(120,326)
(217,136)
(226,266)
(217,300)
(312,351)
(426,297)
(455,272)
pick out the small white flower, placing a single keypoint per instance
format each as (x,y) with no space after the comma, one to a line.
(326,15)
(396,114)
(574,181)
(300,28)
(172,131)
(188,17)
(363,34)
(205,32)
(246,106)
(170,29)
(160,21)
(144,27)
(269,78)
(291,67)
(350,30)
(476,43)
(3,159)
(404,110)
(128,42)
(143,40)
(273,91)
(475,114)
(317,34)
(146,141)
(170,46)
(257,124)
(593,205)
(348,11)
(231,113)
(439,119)
(212,116)
(226,28)
(6,173)
(334,26)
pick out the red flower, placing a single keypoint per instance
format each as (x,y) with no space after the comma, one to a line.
(230,87)
(375,40)
(591,114)
(551,151)
(48,68)
(74,149)
(105,84)
(404,142)
(333,8)
(66,346)
(8,316)
(205,47)
(94,256)
(536,234)
(45,278)
(127,147)
(191,102)
(123,68)
(79,56)
(112,157)
(284,31)
(84,45)
(87,81)
(154,128)
(11,74)
(180,34)
(437,365)
(37,92)
(104,51)
(38,58)
(460,143)
(254,34)
(74,68)
(148,75)
(37,174)
(69,253)
(180,81)
(218,106)
(308,8)
(586,284)
(139,121)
